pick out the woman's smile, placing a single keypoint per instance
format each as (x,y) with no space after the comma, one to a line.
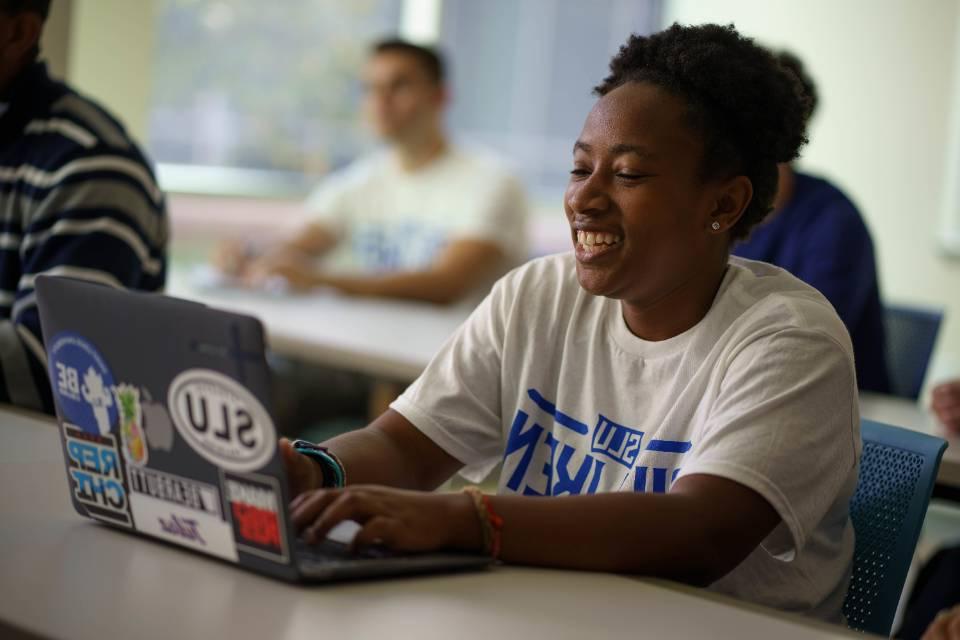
(593,245)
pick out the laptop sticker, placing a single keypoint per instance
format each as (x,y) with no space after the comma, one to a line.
(134,441)
(82,384)
(96,475)
(253,502)
(156,422)
(221,420)
(180,510)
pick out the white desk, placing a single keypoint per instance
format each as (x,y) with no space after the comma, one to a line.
(64,577)
(909,414)
(383,338)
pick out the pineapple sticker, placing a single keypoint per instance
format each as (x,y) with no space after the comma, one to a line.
(131,424)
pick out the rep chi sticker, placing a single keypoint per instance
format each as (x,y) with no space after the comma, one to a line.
(96,475)
(221,420)
(254,506)
(82,384)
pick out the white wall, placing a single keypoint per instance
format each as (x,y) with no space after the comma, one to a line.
(55,41)
(884,70)
(110,55)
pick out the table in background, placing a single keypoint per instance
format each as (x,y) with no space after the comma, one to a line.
(909,414)
(66,577)
(385,339)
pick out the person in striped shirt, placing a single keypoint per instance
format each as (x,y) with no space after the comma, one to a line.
(77,199)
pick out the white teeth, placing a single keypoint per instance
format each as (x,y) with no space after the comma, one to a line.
(591,239)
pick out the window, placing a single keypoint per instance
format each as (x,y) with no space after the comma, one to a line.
(523,73)
(262,97)
(268,86)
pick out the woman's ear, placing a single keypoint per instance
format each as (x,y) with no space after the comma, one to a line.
(733,197)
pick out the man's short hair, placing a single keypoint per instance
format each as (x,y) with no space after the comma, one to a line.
(427,57)
(14,7)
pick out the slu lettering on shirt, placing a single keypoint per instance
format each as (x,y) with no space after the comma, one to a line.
(820,237)
(385,247)
(609,442)
(760,392)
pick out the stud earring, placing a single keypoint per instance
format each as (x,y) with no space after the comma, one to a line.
(715,226)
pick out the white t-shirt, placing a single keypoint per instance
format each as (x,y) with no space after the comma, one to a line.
(389,219)
(549,380)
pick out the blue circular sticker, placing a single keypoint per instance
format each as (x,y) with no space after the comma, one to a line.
(82,384)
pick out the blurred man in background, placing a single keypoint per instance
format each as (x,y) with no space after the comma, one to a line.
(420,220)
(77,198)
(817,234)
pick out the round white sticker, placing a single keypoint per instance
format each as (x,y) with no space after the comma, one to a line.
(221,420)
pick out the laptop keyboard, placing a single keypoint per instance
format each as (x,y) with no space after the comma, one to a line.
(332,551)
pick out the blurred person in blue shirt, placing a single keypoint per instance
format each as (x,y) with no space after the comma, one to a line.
(816,233)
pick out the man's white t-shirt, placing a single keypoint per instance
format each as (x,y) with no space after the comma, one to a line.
(389,219)
(549,380)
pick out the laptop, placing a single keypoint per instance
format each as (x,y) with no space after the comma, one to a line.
(163,407)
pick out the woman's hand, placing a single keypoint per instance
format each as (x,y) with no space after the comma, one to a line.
(231,257)
(397,519)
(294,268)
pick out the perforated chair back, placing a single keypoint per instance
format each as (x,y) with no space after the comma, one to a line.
(911,334)
(897,473)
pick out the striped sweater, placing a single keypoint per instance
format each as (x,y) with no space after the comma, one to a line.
(77,198)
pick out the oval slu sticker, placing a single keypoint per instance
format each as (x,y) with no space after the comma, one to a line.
(221,420)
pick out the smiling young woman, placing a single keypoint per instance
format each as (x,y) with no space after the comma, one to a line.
(658,407)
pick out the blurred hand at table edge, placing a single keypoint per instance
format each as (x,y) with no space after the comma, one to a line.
(946,626)
(235,257)
(462,266)
(946,405)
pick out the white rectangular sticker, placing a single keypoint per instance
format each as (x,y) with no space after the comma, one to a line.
(183,492)
(192,528)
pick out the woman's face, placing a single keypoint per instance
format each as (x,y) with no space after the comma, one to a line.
(639,212)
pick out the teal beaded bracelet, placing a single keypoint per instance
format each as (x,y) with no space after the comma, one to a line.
(331,468)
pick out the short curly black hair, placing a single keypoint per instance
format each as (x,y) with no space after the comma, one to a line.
(751,112)
(792,63)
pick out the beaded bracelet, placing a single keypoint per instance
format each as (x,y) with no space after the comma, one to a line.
(490,521)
